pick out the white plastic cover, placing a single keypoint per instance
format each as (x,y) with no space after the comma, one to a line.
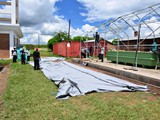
(74,80)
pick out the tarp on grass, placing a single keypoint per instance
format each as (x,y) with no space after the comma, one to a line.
(75,80)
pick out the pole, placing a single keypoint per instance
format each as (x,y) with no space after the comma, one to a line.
(80,48)
(69,29)
(136,54)
(68,36)
(38,39)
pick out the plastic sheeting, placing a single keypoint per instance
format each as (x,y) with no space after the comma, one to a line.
(74,80)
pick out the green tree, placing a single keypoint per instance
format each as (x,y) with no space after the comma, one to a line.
(115,41)
(58,37)
(80,38)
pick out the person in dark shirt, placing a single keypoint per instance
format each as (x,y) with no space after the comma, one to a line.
(36,57)
(91,51)
(22,57)
(96,38)
(83,53)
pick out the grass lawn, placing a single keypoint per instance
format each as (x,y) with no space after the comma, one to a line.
(28,96)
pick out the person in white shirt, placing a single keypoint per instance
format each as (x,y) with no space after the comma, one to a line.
(14,54)
(102,53)
(28,55)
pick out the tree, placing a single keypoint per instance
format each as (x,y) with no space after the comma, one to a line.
(80,38)
(115,41)
(58,37)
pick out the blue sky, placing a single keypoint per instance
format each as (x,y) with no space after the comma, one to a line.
(44,17)
(71,9)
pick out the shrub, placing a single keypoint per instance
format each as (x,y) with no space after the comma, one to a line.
(29,46)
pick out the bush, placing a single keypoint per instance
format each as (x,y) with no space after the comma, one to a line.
(29,46)
(41,46)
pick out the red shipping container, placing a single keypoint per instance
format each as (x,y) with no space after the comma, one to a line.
(69,49)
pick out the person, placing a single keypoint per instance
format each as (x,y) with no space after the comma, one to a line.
(36,57)
(21,48)
(96,39)
(87,52)
(28,55)
(14,54)
(91,51)
(102,53)
(155,48)
(22,57)
(83,53)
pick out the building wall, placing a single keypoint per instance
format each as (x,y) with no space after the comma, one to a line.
(107,45)
(4,42)
(145,45)
(9,32)
(4,46)
(74,49)
(61,49)
(110,46)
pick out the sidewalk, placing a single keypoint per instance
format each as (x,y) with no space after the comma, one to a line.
(147,75)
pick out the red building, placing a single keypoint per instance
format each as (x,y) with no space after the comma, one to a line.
(97,49)
(145,44)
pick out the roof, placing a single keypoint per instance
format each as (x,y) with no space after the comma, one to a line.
(142,38)
(94,40)
(15,28)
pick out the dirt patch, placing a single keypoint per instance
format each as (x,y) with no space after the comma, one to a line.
(3,78)
(3,81)
(1,67)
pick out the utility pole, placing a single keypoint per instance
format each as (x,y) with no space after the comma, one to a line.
(68,37)
(38,39)
(69,29)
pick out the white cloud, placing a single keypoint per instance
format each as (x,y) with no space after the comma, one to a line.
(83,31)
(30,39)
(43,39)
(104,9)
(34,22)
(35,12)
(39,16)
(35,39)
(51,27)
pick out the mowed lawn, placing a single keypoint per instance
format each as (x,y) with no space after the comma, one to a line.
(29,96)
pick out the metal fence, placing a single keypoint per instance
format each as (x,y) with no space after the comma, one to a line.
(138,26)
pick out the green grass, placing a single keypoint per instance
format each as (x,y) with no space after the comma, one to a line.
(45,53)
(28,96)
(5,62)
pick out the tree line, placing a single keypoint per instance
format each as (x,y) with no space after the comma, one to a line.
(63,36)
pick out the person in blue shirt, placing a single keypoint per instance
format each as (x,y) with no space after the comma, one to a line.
(155,48)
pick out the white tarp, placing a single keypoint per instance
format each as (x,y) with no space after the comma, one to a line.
(74,80)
